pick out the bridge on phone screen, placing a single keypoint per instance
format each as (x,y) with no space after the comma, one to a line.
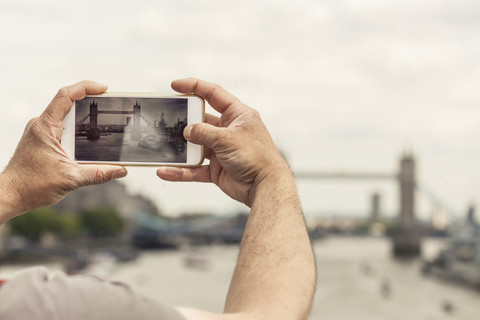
(160,133)
(93,132)
(406,236)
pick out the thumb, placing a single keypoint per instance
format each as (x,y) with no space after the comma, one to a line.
(202,133)
(98,174)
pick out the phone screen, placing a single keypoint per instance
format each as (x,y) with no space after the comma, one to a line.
(129,129)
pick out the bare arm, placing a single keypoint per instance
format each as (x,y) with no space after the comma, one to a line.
(275,273)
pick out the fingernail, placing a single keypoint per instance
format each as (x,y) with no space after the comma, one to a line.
(187,131)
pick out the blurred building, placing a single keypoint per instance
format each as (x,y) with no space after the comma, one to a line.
(113,194)
(439,222)
(461,259)
(376,226)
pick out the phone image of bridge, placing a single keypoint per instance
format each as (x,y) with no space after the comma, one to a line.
(108,130)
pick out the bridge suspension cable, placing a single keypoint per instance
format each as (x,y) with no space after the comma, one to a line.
(148,122)
(422,189)
(81,121)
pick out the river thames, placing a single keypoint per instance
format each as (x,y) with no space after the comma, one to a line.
(357,279)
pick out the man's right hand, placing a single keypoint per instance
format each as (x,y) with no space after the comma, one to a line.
(238,145)
(274,277)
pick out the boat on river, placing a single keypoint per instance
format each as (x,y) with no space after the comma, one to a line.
(461,259)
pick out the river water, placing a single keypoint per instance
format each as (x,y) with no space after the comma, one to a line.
(121,147)
(357,279)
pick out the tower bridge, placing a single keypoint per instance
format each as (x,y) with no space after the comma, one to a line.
(406,237)
(93,128)
(93,132)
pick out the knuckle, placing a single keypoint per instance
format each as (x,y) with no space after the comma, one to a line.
(253,113)
(63,93)
(35,128)
(84,83)
(101,176)
(198,132)
(31,124)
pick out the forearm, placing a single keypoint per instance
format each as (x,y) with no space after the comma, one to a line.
(275,274)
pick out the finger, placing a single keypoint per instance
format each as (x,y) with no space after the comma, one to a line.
(211,119)
(62,102)
(200,174)
(202,133)
(98,174)
(219,98)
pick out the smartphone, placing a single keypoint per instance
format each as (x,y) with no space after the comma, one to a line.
(137,129)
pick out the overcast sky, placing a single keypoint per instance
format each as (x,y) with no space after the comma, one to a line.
(342,85)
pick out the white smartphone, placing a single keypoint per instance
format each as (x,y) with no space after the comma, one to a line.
(138,129)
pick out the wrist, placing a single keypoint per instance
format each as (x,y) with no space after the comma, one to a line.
(10,205)
(278,180)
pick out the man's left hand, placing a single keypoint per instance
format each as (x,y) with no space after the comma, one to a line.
(40,172)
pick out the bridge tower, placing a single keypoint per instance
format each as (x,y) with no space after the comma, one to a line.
(137,132)
(93,133)
(406,237)
(375,215)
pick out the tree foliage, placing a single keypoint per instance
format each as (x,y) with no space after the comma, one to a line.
(36,222)
(101,222)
